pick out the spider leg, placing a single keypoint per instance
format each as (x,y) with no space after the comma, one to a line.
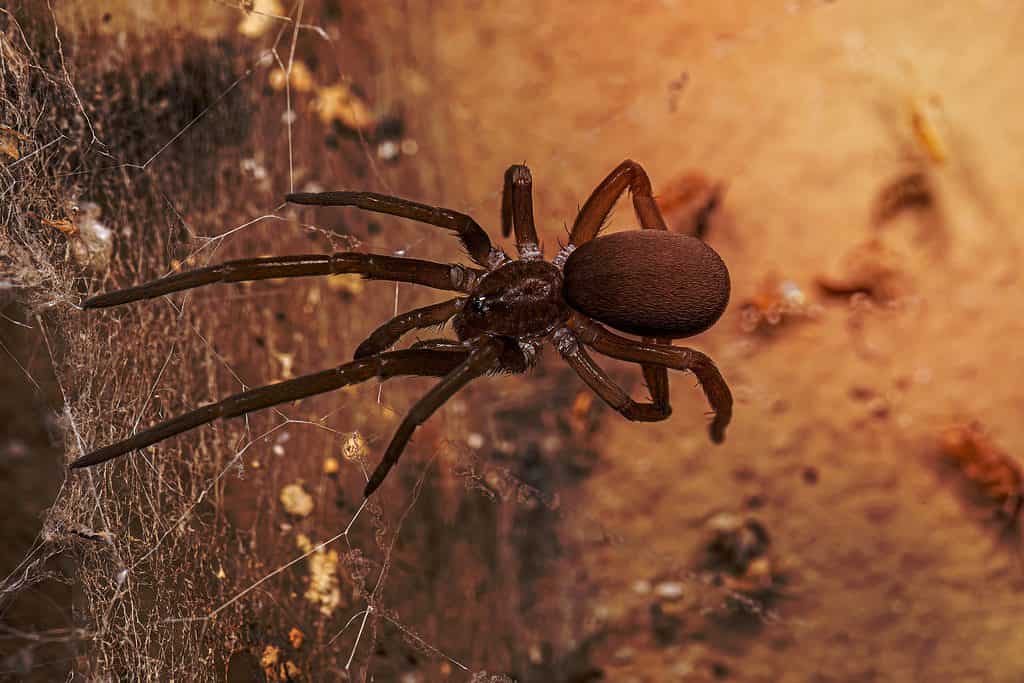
(384,365)
(603,385)
(371,266)
(473,237)
(656,376)
(591,218)
(517,211)
(385,336)
(627,175)
(674,357)
(439,344)
(479,362)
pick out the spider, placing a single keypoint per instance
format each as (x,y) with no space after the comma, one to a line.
(651,283)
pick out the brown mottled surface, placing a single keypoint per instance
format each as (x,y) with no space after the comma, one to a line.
(804,110)
(559,547)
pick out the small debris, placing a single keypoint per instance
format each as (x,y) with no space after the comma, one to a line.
(579,418)
(89,534)
(388,134)
(331,465)
(89,241)
(94,242)
(10,142)
(669,590)
(270,661)
(261,16)
(61,224)
(292,671)
(689,201)
(275,670)
(925,117)
(475,441)
(736,558)
(774,303)
(389,151)
(287,362)
(410,147)
(347,283)
(354,448)
(675,89)
(296,501)
(338,103)
(871,269)
(302,79)
(324,588)
(252,166)
(296,637)
(995,474)
(736,542)
(221,574)
(908,191)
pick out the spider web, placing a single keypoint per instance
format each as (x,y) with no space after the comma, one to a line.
(188,565)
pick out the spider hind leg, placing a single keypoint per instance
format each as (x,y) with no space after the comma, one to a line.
(385,365)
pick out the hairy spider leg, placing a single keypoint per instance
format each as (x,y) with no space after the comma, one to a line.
(473,237)
(438,344)
(371,266)
(627,175)
(603,385)
(592,217)
(385,365)
(517,211)
(385,336)
(675,357)
(482,359)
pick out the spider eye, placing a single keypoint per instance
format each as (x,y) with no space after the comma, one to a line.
(478,305)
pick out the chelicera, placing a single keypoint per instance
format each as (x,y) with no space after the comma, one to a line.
(652,283)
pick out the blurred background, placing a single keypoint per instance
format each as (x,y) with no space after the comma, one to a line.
(853,163)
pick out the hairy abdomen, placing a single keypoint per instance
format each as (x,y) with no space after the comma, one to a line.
(648,282)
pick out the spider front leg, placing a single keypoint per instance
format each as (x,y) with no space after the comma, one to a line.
(451,277)
(674,357)
(603,385)
(517,211)
(384,365)
(473,237)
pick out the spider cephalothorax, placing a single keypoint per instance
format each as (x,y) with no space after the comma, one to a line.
(651,283)
(520,299)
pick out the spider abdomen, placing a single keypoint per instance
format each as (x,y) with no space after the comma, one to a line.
(648,282)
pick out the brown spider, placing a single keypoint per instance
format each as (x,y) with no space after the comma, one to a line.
(652,283)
